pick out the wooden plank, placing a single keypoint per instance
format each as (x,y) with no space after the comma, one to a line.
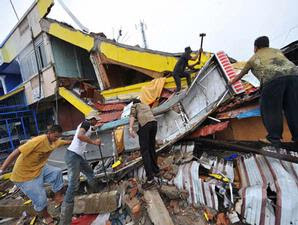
(156,209)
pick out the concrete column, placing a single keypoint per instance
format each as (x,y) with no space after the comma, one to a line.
(2,79)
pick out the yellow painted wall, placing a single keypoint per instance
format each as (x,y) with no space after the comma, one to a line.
(134,90)
(136,58)
(43,6)
(11,48)
(74,37)
(75,101)
(147,60)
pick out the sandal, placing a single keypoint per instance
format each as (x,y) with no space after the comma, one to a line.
(58,205)
(54,221)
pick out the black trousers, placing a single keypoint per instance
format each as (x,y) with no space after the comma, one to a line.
(278,96)
(147,135)
(177,77)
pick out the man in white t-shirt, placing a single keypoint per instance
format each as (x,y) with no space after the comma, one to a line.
(76,163)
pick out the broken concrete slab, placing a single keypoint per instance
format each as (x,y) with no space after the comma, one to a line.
(172,192)
(157,211)
(97,203)
(15,210)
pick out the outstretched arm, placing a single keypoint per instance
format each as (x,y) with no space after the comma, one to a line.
(9,160)
(131,122)
(82,137)
(244,71)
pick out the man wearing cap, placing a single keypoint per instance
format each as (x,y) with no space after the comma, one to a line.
(76,163)
(182,63)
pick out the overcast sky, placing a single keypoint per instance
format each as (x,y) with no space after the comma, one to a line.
(230,25)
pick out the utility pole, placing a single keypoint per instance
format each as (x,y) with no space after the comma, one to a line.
(143,27)
(15,12)
(72,16)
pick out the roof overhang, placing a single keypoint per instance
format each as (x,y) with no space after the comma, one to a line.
(11,93)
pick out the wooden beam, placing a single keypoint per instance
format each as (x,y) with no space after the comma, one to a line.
(156,209)
(223,145)
(102,77)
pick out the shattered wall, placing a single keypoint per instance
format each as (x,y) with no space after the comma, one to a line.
(71,61)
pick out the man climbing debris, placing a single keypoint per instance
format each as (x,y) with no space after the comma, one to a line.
(182,63)
(147,133)
(30,171)
(279,85)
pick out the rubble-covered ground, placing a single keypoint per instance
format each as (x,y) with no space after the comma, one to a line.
(194,187)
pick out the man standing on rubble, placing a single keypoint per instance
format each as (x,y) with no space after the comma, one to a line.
(279,89)
(147,133)
(76,163)
(182,63)
(30,171)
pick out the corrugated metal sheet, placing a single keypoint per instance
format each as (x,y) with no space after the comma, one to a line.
(201,192)
(110,116)
(257,173)
(209,129)
(184,147)
(229,71)
(109,107)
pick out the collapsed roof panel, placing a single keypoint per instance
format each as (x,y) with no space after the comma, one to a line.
(183,113)
(67,33)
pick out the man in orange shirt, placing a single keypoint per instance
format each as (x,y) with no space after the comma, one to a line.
(30,171)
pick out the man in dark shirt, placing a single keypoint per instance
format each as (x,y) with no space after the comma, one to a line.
(182,63)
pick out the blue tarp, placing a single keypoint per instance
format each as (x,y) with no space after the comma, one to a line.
(251,113)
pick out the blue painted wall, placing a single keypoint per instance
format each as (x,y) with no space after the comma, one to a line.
(12,81)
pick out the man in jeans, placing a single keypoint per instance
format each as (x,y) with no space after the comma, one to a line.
(76,163)
(279,92)
(30,171)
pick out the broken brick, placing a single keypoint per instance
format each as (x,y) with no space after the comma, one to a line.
(222,219)
(134,206)
(175,205)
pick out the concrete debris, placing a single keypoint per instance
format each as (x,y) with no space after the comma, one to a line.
(157,211)
(172,192)
(208,189)
(97,203)
(15,208)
